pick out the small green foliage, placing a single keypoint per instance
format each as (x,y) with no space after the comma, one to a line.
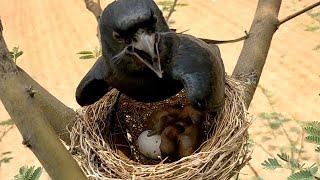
(167,5)
(313,139)
(298,170)
(6,122)
(285,157)
(271,164)
(95,54)
(294,164)
(312,28)
(313,169)
(301,175)
(28,173)
(4,158)
(15,54)
(313,133)
(276,119)
(315,124)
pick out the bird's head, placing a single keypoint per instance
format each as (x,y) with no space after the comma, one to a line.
(129,27)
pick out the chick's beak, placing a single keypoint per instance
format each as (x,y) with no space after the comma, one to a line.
(148,43)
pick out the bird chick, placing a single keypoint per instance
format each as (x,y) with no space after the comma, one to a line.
(161,118)
(169,139)
(189,113)
(189,141)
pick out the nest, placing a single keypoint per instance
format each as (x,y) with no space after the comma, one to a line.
(101,140)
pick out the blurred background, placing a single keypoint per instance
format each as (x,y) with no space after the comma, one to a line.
(50,33)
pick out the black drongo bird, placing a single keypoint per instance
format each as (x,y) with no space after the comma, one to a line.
(143,59)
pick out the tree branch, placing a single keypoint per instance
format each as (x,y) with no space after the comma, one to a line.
(172,9)
(31,112)
(255,49)
(298,13)
(94,7)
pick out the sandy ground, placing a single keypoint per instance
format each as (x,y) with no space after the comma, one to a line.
(51,33)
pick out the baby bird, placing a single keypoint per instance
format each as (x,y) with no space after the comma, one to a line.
(161,118)
(169,137)
(189,113)
(189,141)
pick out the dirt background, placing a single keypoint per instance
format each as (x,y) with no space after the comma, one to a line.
(51,33)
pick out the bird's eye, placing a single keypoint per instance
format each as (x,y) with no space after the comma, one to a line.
(116,36)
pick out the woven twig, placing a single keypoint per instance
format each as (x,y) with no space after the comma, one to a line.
(221,156)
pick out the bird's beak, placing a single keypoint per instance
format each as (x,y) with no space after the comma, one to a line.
(148,43)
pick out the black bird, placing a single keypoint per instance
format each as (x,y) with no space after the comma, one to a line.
(144,59)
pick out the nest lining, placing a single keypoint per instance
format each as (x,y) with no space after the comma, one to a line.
(222,154)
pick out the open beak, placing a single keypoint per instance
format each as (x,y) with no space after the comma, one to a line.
(147,42)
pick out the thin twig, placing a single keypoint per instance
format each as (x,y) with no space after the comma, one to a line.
(301,144)
(265,150)
(172,10)
(94,7)
(253,170)
(210,41)
(298,13)
(6,131)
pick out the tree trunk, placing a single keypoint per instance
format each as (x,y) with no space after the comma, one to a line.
(32,109)
(255,49)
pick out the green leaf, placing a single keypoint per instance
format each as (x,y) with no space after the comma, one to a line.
(312,131)
(36,174)
(23,170)
(6,122)
(271,164)
(315,124)
(285,157)
(85,52)
(87,57)
(5,160)
(317,149)
(19,54)
(304,174)
(28,173)
(313,169)
(294,164)
(313,139)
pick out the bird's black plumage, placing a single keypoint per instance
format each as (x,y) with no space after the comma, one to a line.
(198,66)
(143,59)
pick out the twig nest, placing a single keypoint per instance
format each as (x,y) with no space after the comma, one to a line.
(105,144)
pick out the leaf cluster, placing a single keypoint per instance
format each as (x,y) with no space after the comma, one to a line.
(292,164)
(4,158)
(95,54)
(15,54)
(28,173)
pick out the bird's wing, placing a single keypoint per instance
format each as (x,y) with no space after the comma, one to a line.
(201,70)
(93,86)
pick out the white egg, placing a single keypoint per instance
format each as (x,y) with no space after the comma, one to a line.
(149,146)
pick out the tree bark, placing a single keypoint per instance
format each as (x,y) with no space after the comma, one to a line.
(255,48)
(32,109)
